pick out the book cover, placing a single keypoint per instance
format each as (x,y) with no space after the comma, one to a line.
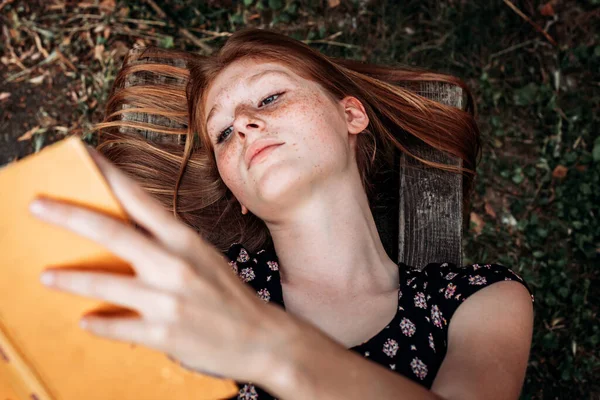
(44,354)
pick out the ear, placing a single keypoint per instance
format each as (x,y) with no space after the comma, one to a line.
(357,119)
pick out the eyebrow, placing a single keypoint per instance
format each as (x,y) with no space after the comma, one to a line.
(250,81)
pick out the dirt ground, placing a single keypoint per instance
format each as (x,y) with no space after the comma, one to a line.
(27,107)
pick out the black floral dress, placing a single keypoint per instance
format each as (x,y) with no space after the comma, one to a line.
(414,342)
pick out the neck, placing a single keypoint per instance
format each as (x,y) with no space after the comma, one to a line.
(332,245)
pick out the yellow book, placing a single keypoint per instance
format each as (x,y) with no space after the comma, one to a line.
(44,354)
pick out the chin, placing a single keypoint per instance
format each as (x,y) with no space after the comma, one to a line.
(279,184)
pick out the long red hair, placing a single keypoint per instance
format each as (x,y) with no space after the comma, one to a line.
(184,176)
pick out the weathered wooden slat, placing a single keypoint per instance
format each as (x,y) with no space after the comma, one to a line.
(145,78)
(430,199)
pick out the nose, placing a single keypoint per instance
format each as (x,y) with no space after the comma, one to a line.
(248,123)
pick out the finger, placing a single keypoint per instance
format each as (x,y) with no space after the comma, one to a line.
(143,208)
(155,335)
(153,264)
(185,366)
(152,304)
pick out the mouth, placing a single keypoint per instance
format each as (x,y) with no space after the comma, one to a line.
(262,154)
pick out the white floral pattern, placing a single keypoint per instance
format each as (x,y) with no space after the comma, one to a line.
(248,392)
(247,274)
(450,289)
(431,343)
(390,347)
(264,295)
(243,256)
(407,327)
(477,280)
(420,300)
(419,368)
(436,315)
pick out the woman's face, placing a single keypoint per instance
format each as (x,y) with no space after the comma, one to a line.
(258,100)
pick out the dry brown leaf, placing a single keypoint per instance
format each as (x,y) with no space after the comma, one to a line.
(27,135)
(40,47)
(65,60)
(55,7)
(489,210)
(47,121)
(119,49)
(38,79)
(108,5)
(478,221)
(333,3)
(98,52)
(28,53)
(123,12)
(547,10)
(560,171)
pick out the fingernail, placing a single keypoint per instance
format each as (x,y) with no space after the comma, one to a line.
(47,278)
(37,206)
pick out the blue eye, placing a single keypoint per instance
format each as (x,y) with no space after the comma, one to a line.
(221,137)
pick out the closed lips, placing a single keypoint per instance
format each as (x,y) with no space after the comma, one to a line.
(256,147)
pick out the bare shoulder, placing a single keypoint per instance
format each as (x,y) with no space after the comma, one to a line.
(489,340)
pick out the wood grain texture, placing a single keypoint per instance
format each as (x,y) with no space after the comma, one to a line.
(152,123)
(430,199)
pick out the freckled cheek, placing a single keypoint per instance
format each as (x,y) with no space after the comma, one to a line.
(228,166)
(314,120)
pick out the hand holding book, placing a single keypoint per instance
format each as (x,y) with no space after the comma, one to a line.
(157,291)
(182,290)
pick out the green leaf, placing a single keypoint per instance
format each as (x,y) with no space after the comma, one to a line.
(284,17)
(542,232)
(566,374)
(563,292)
(38,141)
(538,254)
(248,2)
(167,42)
(596,151)
(322,32)
(275,4)
(518,176)
(292,9)
(526,95)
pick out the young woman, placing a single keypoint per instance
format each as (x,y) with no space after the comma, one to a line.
(274,174)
